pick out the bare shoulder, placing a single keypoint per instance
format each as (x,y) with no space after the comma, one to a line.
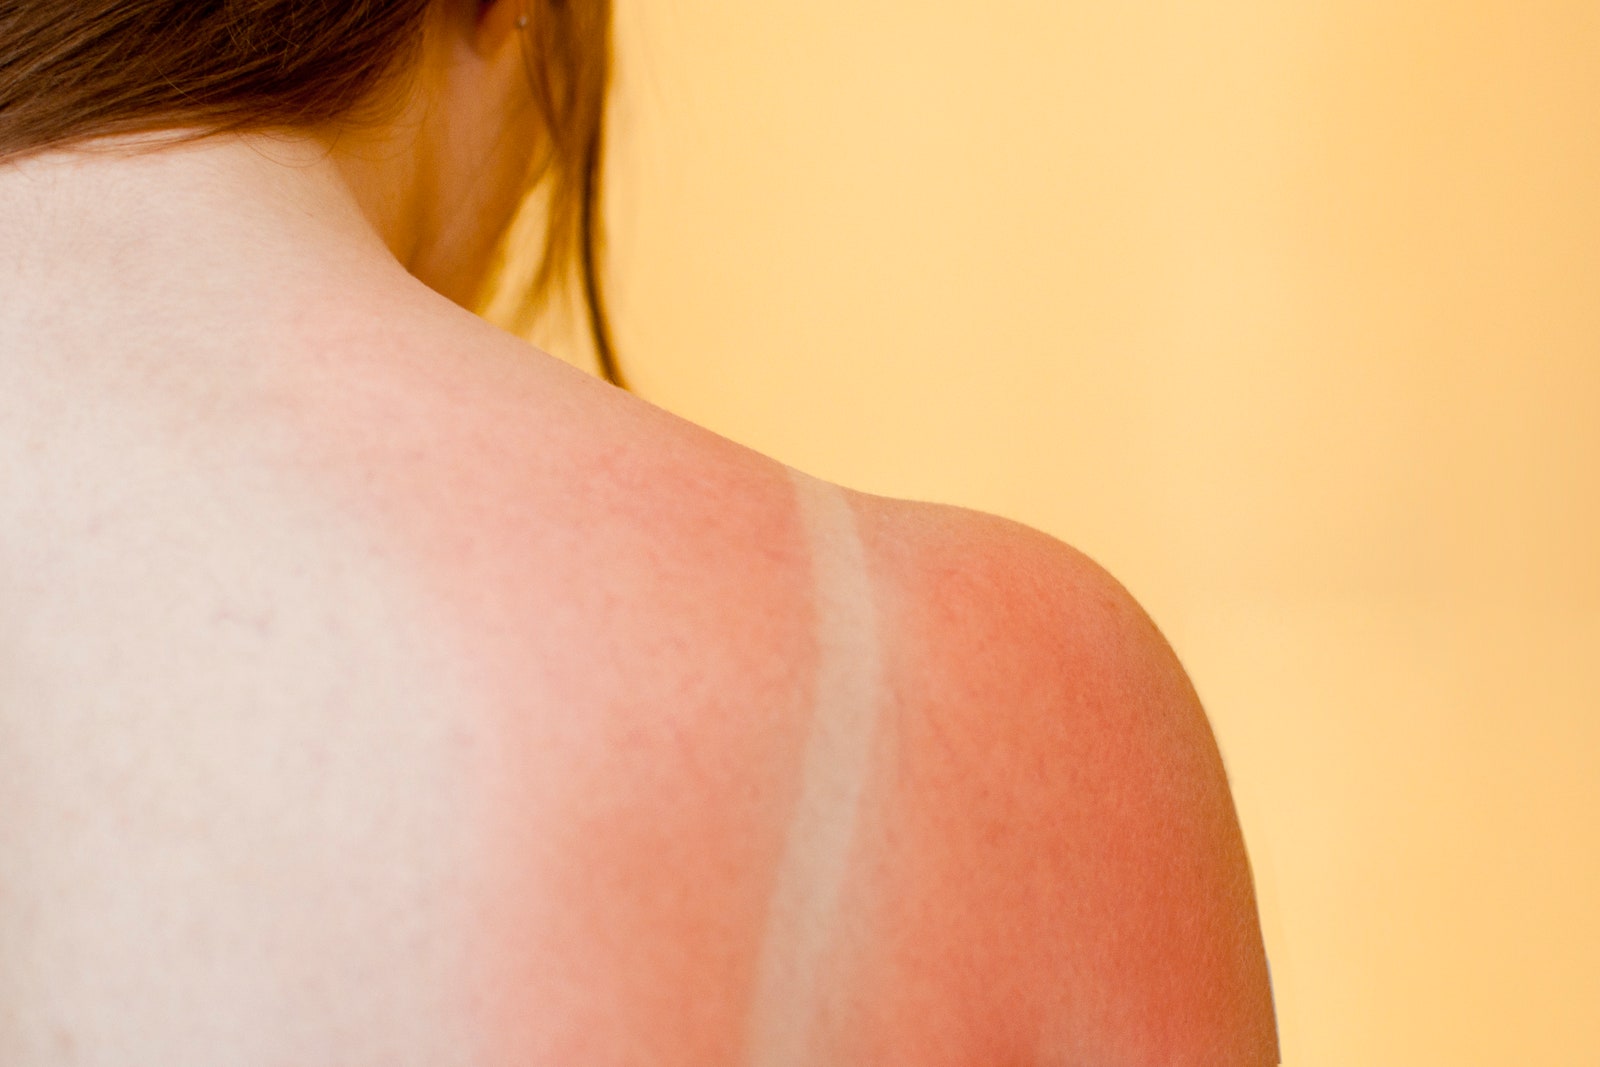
(1049,869)
(1062,818)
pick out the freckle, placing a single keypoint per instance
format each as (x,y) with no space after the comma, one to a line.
(261,622)
(66,1044)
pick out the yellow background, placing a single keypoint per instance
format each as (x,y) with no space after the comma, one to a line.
(1288,314)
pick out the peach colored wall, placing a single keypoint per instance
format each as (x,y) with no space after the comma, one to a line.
(1287,313)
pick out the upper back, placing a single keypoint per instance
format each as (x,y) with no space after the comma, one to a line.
(425,700)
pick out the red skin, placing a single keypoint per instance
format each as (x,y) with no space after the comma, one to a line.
(1049,869)
(1062,819)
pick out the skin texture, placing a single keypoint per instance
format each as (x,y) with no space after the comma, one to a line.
(377,689)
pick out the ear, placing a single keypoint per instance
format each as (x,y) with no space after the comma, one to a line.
(497,24)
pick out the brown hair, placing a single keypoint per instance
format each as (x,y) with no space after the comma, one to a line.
(73,70)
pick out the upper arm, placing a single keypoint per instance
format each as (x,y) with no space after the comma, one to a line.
(1087,817)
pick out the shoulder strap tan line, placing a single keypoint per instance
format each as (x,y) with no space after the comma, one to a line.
(804,913)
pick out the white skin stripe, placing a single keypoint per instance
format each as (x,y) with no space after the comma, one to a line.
(806,897)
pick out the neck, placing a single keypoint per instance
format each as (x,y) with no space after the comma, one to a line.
(228,223)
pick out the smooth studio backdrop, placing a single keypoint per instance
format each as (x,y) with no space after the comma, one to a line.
(1288,314)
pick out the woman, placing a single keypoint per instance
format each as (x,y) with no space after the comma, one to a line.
(378,689)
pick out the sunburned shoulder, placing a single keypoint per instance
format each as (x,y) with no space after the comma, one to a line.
(1051,852)
(1050,869)
(1063,829)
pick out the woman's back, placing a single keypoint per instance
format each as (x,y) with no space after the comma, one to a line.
(375,689)
(326,666)
(421,700)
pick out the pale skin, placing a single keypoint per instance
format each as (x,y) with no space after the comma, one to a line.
(377,689)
